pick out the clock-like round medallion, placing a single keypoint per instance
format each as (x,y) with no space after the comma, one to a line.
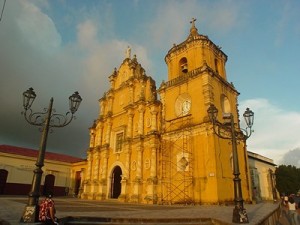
(183,104)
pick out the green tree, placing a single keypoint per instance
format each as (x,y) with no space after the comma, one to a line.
(287,179)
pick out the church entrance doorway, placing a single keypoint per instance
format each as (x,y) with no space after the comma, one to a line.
(49,184)
(77,182)
(115,188)
(3,178)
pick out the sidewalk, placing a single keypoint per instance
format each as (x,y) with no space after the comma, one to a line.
(11,209)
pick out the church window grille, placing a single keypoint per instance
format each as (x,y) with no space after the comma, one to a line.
(119,142)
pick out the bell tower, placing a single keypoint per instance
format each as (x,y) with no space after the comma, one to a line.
(193,53)
(200,163)
(196,78)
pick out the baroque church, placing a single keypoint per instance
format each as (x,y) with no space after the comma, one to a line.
(156,145)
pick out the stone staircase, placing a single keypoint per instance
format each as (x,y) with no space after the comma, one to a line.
(137,221)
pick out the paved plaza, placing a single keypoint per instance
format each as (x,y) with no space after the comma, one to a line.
(11,209)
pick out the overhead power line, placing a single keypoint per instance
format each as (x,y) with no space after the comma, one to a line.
(2,10)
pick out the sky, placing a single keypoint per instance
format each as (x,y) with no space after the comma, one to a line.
(58,47)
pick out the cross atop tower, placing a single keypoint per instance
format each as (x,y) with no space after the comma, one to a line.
(193,30)
(193,22)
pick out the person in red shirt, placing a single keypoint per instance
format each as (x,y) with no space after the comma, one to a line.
(47,211)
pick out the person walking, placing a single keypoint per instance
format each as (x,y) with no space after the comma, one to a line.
(292,211)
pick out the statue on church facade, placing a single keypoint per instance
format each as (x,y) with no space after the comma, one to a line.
(128,53)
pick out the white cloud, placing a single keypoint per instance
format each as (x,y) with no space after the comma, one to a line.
(101,57)
(87,35)
(37,28)
(170,22)
(292,158)
(276,131)
(288,13)
(223,15)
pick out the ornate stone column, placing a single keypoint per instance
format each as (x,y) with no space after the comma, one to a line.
(108,131)
(102,107)
(142,94)
(131,94)
(96,165)
(136,197)
(89,165)
(123,196)
(153,169)
(130,115)
(207,88)
(87,179)
(154,112)
(100,134)
(163,104)
(92,138)
(95,168)
(141,111)
(112,79)
(126,173)
(103,174)
(110,102)
(139,162)
(127,152)
(151,196)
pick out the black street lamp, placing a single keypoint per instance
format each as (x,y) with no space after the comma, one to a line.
(45,120)
(227,130)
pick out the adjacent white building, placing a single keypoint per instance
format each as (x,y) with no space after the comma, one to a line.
(262,171)
(62,173)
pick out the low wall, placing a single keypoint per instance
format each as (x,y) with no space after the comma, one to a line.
(272,218)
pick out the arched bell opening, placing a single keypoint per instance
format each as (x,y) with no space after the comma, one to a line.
(183,63)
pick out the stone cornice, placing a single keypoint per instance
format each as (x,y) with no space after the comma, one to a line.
(193,74)
(200,40)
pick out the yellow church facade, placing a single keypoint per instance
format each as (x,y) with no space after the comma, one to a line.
(157,145)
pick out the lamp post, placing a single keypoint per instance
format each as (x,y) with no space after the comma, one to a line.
(227,130)
(45,120)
